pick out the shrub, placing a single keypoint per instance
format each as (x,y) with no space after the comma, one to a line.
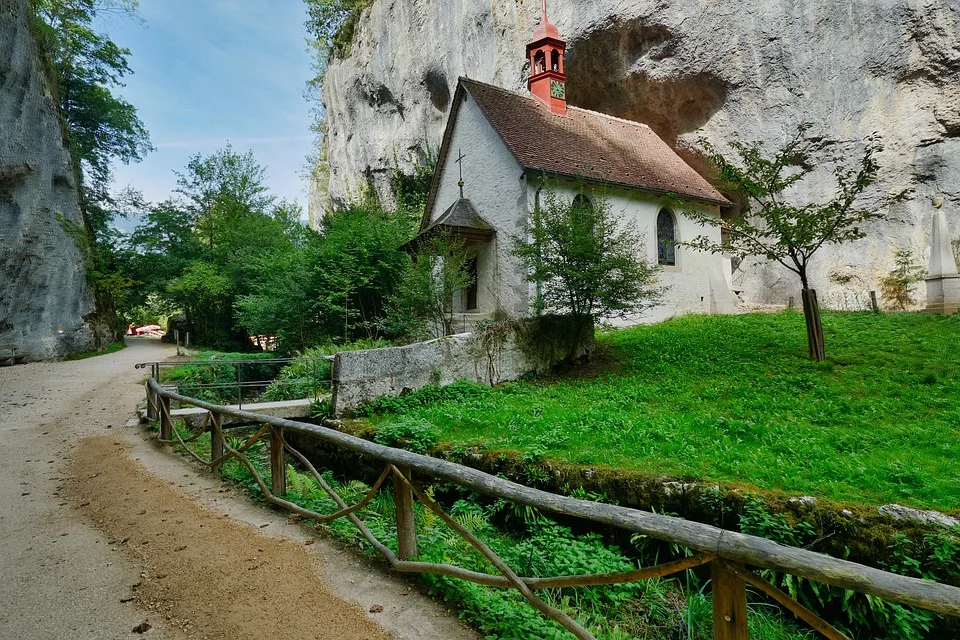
(307,377)
(459,391)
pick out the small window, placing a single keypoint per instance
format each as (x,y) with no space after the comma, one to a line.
(666,238)
(555,61)
(582,213)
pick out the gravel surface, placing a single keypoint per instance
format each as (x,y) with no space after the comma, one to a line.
(106,534)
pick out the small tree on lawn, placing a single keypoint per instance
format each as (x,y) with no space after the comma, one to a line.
(585,261)
(423,300)
(896,286)
(778,228)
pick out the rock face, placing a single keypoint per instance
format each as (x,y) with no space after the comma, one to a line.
(749,71)
(46,303)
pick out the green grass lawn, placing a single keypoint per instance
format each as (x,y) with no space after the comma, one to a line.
(733,399)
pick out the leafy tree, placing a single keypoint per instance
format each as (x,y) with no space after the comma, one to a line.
(332,24)
(222,190)
(585,261)
(423,301)
(895,287)
(204,294)
(778,224)
(411,190)
(85,66)
(226,223)
(282,302)
(357,267)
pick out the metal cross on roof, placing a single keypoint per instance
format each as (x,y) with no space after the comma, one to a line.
(460,162)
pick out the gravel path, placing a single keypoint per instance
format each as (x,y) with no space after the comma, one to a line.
(104,533)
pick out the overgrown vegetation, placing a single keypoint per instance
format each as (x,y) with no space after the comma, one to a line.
(897,287)
(859,615)
(239,265)
(332,24)
(308,376)
(422,303)
(212,382)
(733,399)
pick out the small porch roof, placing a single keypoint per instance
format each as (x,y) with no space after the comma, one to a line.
(461,221)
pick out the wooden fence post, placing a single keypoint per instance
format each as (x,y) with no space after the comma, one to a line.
(406,521)
(216,441)
(729,603)
(874,306)
(151,404)
(166,420)
(278,463)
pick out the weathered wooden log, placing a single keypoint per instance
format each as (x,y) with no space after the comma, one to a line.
(735,547)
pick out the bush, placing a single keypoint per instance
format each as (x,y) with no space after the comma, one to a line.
(305,378)
(457,392)
(408,433)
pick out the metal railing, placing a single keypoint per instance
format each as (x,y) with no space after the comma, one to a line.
(726,552)
(248,378)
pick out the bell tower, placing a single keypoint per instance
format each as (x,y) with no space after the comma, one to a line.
(548,82)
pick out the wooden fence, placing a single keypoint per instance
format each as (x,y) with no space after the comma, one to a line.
(728,553)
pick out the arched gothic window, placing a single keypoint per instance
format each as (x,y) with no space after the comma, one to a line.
(582,213)
(666,238)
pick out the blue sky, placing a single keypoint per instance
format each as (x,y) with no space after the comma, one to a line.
(211,71)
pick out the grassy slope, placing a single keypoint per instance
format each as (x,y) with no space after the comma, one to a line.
(734,399)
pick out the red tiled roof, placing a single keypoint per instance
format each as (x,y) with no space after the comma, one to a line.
(586,144)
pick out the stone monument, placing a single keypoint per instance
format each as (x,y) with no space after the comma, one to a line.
(943,281)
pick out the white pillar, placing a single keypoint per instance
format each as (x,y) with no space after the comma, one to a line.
(942,262)
(943,281)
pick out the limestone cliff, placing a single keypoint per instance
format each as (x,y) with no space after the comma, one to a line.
(46,304)
(749,70)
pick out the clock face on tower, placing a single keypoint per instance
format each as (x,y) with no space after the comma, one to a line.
(558,90)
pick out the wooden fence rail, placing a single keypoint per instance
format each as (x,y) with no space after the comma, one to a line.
(727,552)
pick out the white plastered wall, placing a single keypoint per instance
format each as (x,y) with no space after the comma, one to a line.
(495,186)
(688,282)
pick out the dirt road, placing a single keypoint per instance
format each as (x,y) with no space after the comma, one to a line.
(104,534)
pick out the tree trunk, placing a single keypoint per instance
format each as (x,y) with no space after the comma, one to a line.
(811,314)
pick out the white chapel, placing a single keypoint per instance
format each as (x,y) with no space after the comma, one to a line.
(504,144)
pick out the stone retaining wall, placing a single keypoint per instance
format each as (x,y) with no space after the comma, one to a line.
(499,353)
